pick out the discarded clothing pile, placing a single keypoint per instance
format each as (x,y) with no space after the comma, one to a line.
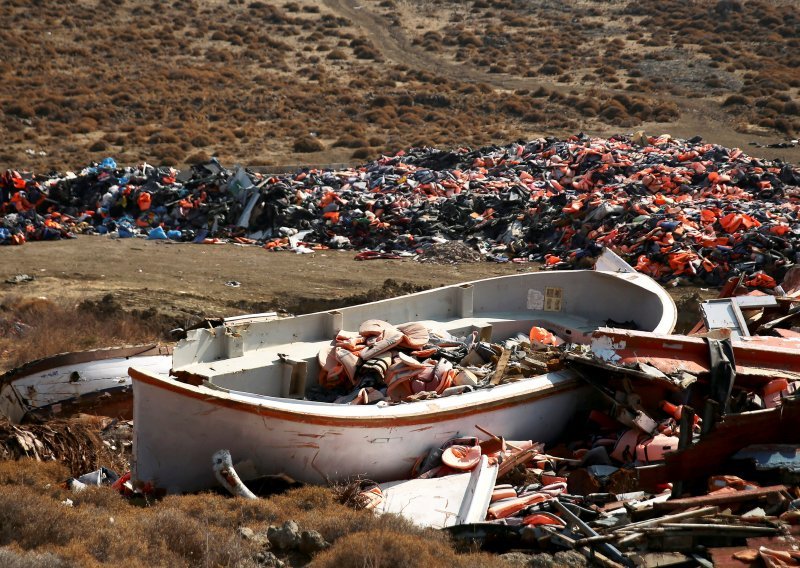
(387,364)
(677,208)
(159,203)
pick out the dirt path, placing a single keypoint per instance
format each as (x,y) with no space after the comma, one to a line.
(697,117)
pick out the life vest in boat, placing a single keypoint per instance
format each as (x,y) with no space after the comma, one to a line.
(625,449)
(653,450)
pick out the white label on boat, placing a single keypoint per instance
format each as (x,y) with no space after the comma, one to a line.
(535,299)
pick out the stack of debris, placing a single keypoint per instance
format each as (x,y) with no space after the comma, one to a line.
(604,502)
(677,208)
(387,364)
(648,480)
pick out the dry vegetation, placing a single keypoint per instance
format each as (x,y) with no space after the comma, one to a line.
(31,328)
(738,56)
(175,81)
(102,528)
(257,82)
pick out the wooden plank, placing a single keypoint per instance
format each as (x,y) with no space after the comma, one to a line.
(500,370)
(719,499)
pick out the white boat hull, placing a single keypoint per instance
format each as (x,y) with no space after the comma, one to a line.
(315,444)
(239,382)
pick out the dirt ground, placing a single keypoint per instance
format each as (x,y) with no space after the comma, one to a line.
(186,282)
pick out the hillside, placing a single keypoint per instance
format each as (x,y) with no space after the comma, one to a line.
(338,80)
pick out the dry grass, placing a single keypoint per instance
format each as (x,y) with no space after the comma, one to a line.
(384,547)
(31,328)
(701,50)
(102,528)
(247,81)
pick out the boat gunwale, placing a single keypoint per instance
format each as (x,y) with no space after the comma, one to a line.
(636,279)
(424,416)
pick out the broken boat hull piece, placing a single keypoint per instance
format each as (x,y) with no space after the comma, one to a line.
(240,383)
(94,381)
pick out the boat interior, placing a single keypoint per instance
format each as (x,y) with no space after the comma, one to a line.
(278,357)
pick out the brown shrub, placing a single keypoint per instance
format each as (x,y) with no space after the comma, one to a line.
(361,153)
(168,154)
(85,125)
(784,125)
(10,558)
(366,52)
(59,328)
(665,112)
(395,549)
(468,38)
(32,520)
(613,111)
(163,137)
(20,109)
(99,146)
(306,144)
(198,158)
(31,473)
(534,116)
(337,55)
(736,100)
(550,69)
(348,141)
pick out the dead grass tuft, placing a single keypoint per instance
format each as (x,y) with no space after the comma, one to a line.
(31,519)
(31,473)
(228,513)
(39,328)
(384,547)
(101,528)
(10,558)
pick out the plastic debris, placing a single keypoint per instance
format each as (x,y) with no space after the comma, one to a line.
(387,364)
(227,476)
(675,208)
(20,279)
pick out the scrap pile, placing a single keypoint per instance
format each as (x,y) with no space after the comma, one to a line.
(645,479)
(677,208)
(639,485)
(383,363)
(504,495)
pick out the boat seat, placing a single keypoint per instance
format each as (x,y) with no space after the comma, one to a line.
(263,372)
(268,373)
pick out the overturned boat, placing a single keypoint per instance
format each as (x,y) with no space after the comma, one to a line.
(93,381)
(241,385)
